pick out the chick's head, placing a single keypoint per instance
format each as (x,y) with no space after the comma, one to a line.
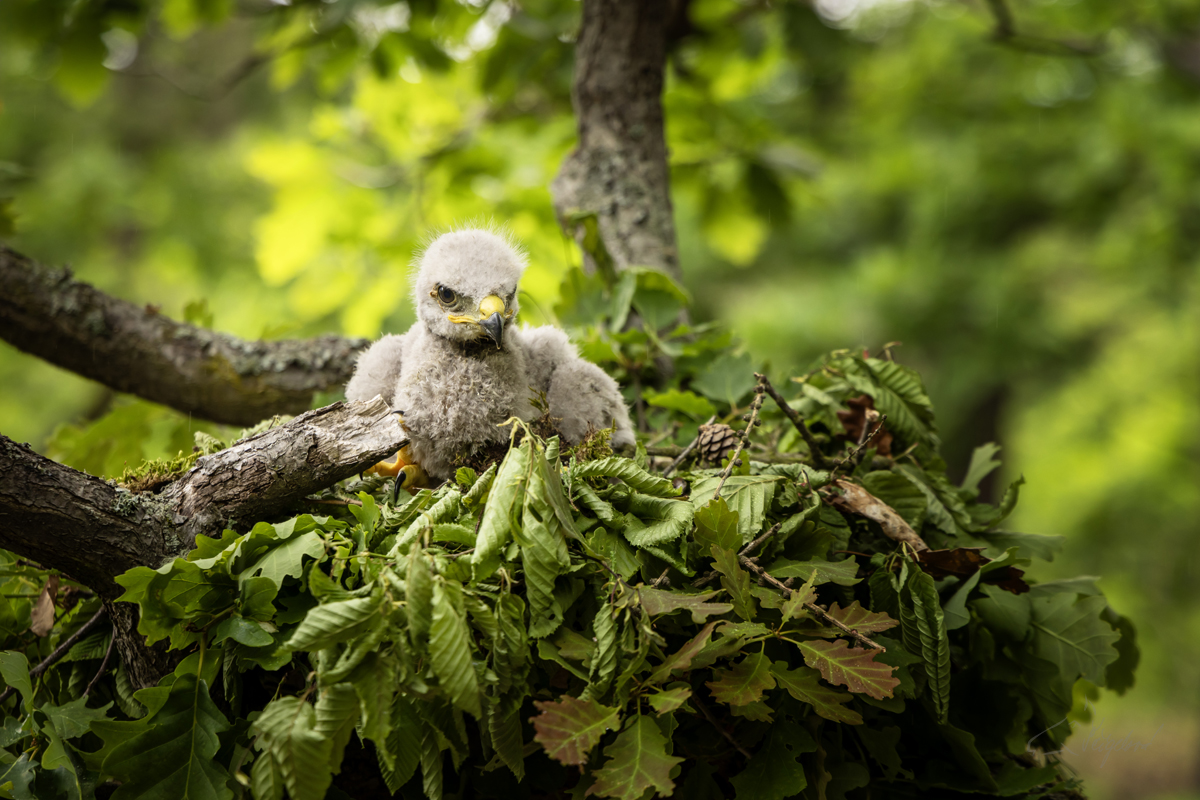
(466,285)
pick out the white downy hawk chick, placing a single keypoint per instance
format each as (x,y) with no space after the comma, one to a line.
(464,367)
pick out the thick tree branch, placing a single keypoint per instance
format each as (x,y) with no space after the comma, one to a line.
(93,530)
(137,350)
(618,171)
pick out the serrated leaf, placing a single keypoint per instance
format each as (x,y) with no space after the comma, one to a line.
(450,651)
(669,700)
(803,684)
(503,510)
(748,495)
(14,668)
(170,754)
(569,728)
(403,744)
(656,602)
(735,580)
(843,573)
(337,712)
(983,463)
(934,644)
(375,685)
(637,762)
(331,623)
(287,733)
(775,771)
(665,520)
(717,525)
(626,470)
(744,683)
(1070,633)
(604,662)
(856,669)
(681,659)
(505,733)
(861,619)
(419,594)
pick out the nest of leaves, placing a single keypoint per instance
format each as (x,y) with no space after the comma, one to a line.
(556,626)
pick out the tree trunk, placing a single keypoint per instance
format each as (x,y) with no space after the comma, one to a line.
(137,350)
(618,171)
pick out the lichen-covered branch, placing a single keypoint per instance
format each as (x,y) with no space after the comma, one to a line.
(133,349)
(618,170)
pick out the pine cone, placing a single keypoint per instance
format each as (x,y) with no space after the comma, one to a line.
(716,441)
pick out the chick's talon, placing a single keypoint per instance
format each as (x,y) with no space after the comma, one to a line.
(410,476)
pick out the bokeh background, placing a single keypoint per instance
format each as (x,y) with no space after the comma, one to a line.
(1018,206)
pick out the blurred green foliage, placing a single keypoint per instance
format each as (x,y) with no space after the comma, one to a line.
(846,174)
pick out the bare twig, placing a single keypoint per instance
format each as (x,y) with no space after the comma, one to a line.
(708,716)
(750,548)
(812,607)
(333,502)
(853,455)
(61,650)
(751,421)
(103,665)
(814,447)
(679,459)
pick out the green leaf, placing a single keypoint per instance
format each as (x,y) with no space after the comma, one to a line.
(450,650)
(717,525)
(748,495)
(241,630)
(403,744)
(170,754)
(681,659)
(637,761)
(666,520)
(331,623)
(287,733)
(735,580)
(861,619)
(74,718)
(1008,615)
(690,403)
(983,463)
(1070,633)
(726,379)
(775,772)
(745,683)
(505,732)
(657,601)
(842,573)
(569,728)
(627,471)
(337,712)
(669,700)
(375,685)
(419,594)
(856,669)
(803,684)
(14,668)
(934,642)
(286,559)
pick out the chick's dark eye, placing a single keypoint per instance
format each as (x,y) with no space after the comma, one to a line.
(445,295)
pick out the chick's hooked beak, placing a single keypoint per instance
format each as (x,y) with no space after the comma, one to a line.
(491,318)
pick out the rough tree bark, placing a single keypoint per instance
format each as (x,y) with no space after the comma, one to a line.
(137,350)
(93,530)
(618,170)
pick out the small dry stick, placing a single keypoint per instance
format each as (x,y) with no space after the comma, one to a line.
(61,650)
(812,607)
(334,502)
(751,421)
(750,548)
(814,447)
(853,455)
(686,450)
(103,666)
